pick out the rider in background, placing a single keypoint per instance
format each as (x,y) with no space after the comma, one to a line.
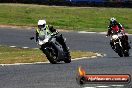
(44,29)
(114,26)
(118,28)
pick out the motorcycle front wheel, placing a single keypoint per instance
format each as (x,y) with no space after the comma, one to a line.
(67,58)
(119,50)
(126,53)
(52,56)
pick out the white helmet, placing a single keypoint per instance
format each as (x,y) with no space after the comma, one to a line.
(42,23)
(112,19)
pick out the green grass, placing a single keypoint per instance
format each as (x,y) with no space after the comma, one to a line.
(70,18)
(18,55)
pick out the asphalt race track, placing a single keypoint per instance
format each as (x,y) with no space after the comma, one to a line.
(62,75)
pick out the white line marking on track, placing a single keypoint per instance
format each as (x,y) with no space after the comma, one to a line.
(89,87)
(12,46)
(81,58)
(93,57)
(35,48)
(25,47)
(99,55)
(102,33)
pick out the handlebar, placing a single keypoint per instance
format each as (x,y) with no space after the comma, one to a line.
(31,38)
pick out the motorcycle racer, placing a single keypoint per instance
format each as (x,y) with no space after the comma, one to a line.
(117,28)
(44,29)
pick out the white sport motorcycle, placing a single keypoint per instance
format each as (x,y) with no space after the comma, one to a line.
(53,50)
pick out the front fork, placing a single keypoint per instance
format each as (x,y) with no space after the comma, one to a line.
(119,41)
(114,42)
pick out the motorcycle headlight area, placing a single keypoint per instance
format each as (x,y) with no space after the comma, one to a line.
(115,37)
(46,40)
(42,37)
(120,35)
(41,42)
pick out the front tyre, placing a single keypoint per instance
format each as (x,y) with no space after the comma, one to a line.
(67,58)
(52,56)
(119,50)
(120,54)
(126,53)
(52,59)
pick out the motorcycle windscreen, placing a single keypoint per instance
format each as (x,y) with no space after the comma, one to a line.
(42,37)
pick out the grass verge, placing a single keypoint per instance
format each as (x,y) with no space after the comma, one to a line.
(10,55)
(73,18)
